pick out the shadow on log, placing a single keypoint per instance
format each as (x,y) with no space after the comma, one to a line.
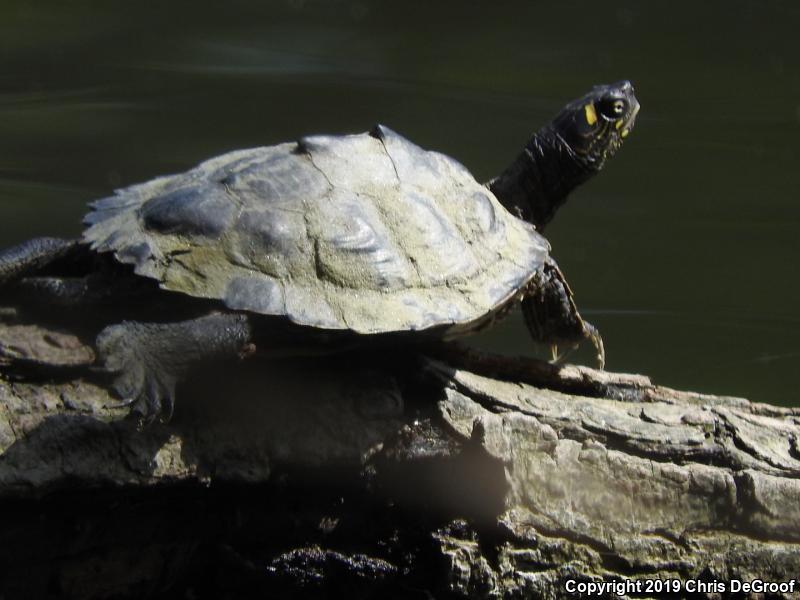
(409,477)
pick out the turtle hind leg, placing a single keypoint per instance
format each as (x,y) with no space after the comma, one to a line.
(147,360)
(552,317)
(32,255)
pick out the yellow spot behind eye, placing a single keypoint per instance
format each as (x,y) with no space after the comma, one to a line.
(591,115)
(619,123)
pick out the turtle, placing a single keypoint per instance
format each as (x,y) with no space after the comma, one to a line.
(328,242)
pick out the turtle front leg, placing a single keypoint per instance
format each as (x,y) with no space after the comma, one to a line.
(148,359)
(552,316)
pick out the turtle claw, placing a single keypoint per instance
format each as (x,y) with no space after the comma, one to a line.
(124,404)
(559,357)
(597,341)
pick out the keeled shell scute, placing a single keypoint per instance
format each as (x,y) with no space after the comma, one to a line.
(364,232)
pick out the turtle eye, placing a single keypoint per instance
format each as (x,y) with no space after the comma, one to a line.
(612,108)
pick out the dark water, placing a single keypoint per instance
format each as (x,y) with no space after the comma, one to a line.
(684,252)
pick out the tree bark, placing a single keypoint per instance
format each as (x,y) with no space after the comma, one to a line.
(386,476)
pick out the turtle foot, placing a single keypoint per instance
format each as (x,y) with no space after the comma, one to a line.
(148,359)
(143,379)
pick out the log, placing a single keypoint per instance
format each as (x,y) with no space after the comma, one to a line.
(428,473)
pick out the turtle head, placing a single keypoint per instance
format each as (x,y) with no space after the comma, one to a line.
(595,125)
(567,152)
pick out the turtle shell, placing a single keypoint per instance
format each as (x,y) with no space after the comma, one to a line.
(364,232)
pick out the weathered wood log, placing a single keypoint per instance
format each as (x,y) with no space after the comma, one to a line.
(387,476)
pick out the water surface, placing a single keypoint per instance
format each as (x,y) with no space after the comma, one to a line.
(683,252)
